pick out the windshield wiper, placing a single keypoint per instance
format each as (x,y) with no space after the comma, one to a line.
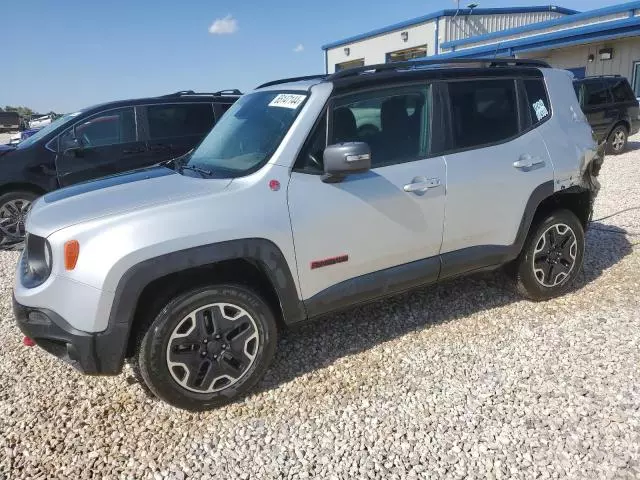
(193,168)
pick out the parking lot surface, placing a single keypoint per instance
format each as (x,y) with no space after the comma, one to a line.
(460,380)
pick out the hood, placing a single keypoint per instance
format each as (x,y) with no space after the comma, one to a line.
(114,195)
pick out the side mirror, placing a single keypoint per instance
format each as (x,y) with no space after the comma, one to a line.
(343,159)
(72,147)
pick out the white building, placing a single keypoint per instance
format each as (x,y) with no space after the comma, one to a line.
(602,41)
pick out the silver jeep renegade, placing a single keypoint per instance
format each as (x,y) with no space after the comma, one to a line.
(309,196)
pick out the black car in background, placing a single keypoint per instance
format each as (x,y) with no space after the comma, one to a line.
(611,108)
(99,141)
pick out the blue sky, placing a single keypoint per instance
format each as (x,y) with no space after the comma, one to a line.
(67,55)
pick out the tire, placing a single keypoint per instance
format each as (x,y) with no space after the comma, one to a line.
(617,140)
(14,207)
(544,270)
(184,370)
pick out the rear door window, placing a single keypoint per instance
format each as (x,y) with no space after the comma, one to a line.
(596,93)
(179,120)
(483,112)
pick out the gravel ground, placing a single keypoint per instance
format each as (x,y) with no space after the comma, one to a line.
(461,380)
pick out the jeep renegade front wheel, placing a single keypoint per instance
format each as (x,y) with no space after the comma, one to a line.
(551,257)
(208,347)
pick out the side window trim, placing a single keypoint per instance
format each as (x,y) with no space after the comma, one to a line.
(102,112)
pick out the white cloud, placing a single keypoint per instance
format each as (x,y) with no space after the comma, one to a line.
(224,26)
(299,48)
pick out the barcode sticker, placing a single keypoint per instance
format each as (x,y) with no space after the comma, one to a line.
(540,109)
(287,100)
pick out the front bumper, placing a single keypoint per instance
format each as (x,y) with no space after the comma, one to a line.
(91,353)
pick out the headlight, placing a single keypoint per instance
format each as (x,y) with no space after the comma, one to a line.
(36,261)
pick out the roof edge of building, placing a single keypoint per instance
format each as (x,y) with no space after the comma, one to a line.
(531,27)
(449,13)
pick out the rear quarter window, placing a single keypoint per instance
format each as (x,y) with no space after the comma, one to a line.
(621,90)
(538,104)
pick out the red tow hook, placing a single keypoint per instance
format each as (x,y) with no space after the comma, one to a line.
(28,342)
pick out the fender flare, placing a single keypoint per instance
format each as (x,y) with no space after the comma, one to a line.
(111,344)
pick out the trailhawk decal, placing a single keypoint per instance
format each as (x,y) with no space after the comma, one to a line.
(329,261)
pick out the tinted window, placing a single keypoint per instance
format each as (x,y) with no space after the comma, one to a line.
(310,158)
(179,120)
(595,93)
(483,112)
(394,122)
(109,128)
(537,100)
(621,90)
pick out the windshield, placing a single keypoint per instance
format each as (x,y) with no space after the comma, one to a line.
(48,129)
(248,133)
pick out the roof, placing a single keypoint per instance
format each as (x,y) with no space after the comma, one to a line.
(450,13)
(532,27)
(624,27)
(427,68)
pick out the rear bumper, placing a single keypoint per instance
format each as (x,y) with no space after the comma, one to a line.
(90,353)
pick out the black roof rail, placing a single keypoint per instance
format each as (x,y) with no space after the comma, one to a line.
(413,64)
(612,75)
(291,79)
(181,93)
(229,91)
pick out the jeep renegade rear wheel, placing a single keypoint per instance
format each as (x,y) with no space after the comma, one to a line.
(551,257)
(208,347)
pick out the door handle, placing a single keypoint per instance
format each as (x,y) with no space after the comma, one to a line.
(160,148)
(421,185)
(133,150)
(527,161)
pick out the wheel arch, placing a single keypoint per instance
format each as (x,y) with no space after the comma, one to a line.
(21,187)
(544,200)
(624,122)
(147,286)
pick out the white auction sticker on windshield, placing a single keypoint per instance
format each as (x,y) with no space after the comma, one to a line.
(287,100)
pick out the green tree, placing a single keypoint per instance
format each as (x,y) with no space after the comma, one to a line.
(22,111)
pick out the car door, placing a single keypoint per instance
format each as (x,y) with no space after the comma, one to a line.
(102,144)
(175,128)
(597,105)
(494,164)
(376,232)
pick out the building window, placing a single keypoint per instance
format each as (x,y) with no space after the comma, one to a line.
(407,54)
(350,64)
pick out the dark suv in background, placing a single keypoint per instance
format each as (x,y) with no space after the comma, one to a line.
(611,108)
(99,141)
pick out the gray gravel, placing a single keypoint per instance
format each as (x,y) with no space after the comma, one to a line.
(461,380)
